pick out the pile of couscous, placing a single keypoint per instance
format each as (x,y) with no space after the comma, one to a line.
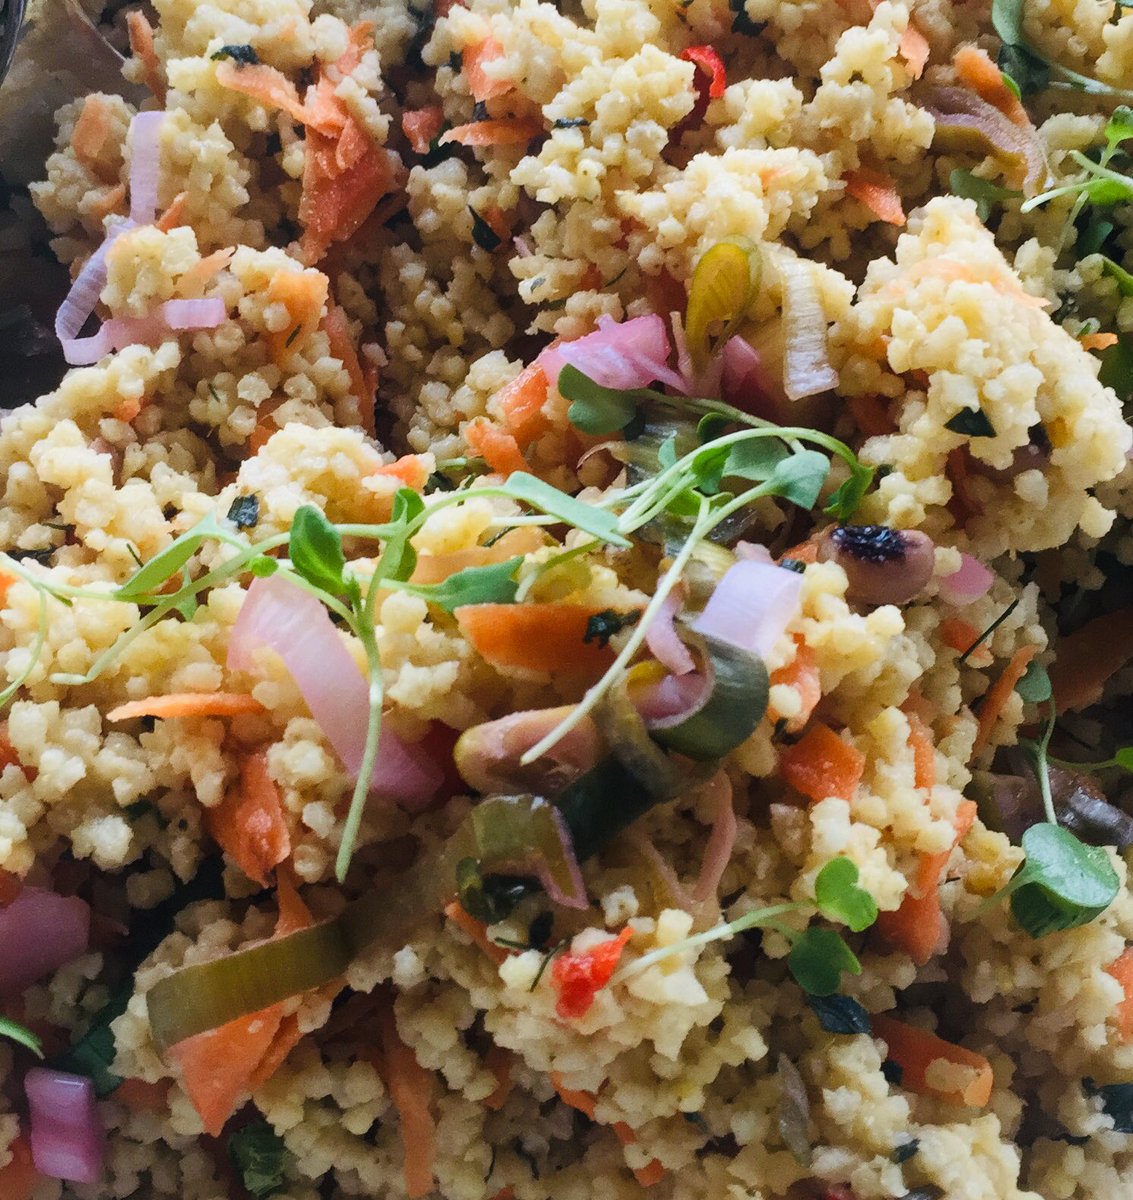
(566,606)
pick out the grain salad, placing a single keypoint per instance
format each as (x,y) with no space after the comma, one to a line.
(566,600)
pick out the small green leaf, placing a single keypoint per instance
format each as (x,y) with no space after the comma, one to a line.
(800,478)
(547,499)
(971,423)
(494,584)
(258,1154)
(1062,884)
(1117,367)
(316,550)
(188,607)
(263,566)
(1034,687)
(667,452)
(841,1014)
(1119,273)
(25,1037)
(1094,234)
(756,459)
(1124,758)
(839,897)
(711,426)
(848,495)
(1119,127)
(1027,72)
(164,566)
(407,506)
(982,191)
(817,960)
(594,408)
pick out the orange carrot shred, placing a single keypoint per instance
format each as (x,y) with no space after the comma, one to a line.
(976,70)
(19,1178)
(140,1097)
(961,636)
(1089,656)
(304,294)
(202,273)
(924,754)
(877,192)
(481,84)
(342,347)
(522,401)
(585,1102)
(499,1062)
(915,50)
(265,84)
(507,131)
(1122,971)
(91,131)
(187,704)
(410,1088)
(421,125)
(174,215)
(249,822)
(476,930)
(1098,341)
(801,674)
(821,764)
(546,637)
(142,47)
(1000,692)
(498,448)
(915,1050)
(871,416)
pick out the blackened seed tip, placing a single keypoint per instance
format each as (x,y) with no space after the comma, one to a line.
(871,543)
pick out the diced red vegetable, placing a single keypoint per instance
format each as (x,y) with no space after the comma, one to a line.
(708,61)
(579,977)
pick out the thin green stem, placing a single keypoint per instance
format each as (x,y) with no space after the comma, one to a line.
(33,656)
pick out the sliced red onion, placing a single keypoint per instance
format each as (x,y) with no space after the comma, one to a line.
(522,247)
(746,383)
(82,300)
(972,581)
(40,931)
(671,700)
(696,383)
(752,606)
(145,165)
(663,640)
(67,1137)
(721,843)
(618,354)
(280,614)
(807,370)
(120,332)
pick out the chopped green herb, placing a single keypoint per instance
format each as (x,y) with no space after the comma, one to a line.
(482,233)
(543,966)
(570,123)
(258,1154)
(971,422)
(244,511)
(293,335)
(982,191)
(741,22)
(602,626)
(841,1014)
(242,55)
(905,1151)
(493,584)
(1117,1103)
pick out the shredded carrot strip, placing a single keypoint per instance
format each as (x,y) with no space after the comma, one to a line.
(877,192)
(410,1088)
(19,1178)
(871,416)
(264,84)
(522,402)
(1122,971)
(976,70)
(499,448)
(801,674)
(481,84)
(507,131)
(915,50)
(924,753)
(142,1097)
(91,131)
(342,347)
(142,47)
(249,822)
(499,1062)
(187,704)
(202,273)
(475,929)
(1089,657)
(1098,341)
(546,637)
(915,1050)
(1000,692)
(110,201)
(174,215)
(961,636)
(585,1102)
(304,294)
(421,125)
(821,764)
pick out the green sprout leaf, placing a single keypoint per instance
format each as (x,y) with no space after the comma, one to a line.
(25,1037)
(1119,127)
(594,408)
(982,191)
(1062,884)
(846,498)
(547,499)
(494,584)
(316,551)
(817,960)
(1035,687)
(840,898)
(162,567)
(1120,274)
(258,1154)
(800,478)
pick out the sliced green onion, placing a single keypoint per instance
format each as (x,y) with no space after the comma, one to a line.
(723,286)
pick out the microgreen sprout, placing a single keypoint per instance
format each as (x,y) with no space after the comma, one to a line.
(18,1033)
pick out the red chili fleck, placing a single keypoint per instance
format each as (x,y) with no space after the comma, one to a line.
(580,977)
(709,61)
